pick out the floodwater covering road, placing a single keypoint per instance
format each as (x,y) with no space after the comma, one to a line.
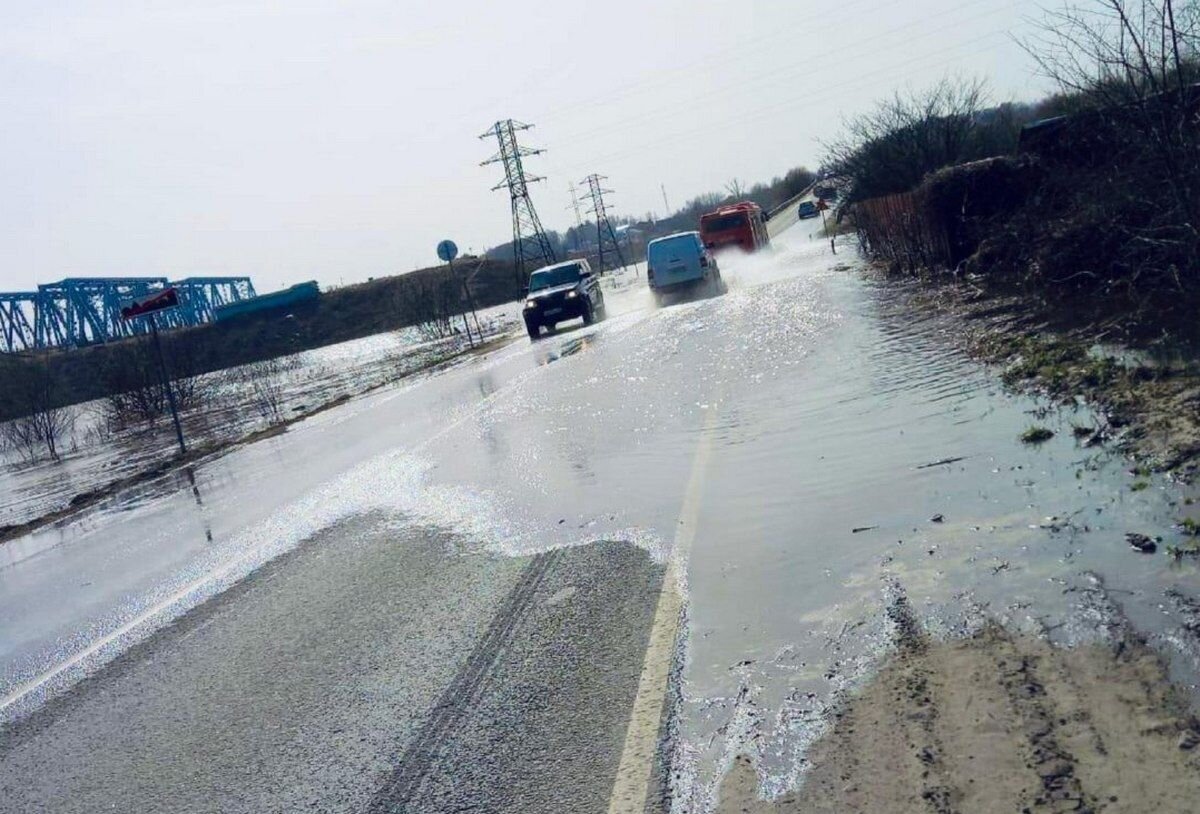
(494,586)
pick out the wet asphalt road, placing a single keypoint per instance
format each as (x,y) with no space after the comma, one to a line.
(370,669)
(440,596)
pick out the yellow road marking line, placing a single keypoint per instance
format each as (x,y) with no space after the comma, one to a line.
(645,721)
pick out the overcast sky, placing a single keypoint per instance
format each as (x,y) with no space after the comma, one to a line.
(336,141)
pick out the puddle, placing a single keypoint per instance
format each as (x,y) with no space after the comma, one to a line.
(882,462)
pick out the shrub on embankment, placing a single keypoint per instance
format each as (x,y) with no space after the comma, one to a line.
(70,376)
(1096,210)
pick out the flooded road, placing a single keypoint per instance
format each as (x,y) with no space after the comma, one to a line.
(454,581)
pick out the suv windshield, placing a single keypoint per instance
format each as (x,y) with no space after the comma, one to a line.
(559,275)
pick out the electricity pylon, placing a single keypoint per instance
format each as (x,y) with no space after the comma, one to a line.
(531,247)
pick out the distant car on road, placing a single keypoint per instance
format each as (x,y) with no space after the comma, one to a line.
(561,292)
(808,209)
(681,262)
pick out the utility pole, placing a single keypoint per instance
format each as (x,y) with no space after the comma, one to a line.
(531,246)
(666,206)
(605,235)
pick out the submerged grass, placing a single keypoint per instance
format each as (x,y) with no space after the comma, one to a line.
(1036,435)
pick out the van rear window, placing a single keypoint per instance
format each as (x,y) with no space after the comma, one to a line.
(681,246)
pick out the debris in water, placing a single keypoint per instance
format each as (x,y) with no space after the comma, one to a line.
(1141,542)
(942,462)
(862,529)
(1036,435)
(937,518)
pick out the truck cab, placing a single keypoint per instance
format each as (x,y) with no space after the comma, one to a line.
(739,225)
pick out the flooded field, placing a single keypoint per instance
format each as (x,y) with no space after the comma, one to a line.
(230,404)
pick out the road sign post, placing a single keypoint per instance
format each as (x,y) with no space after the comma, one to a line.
(447,250)
(147,307)
(821,207)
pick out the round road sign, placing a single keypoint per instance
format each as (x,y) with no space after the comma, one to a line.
(447,251)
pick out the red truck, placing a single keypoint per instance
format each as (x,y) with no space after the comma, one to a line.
(740,224)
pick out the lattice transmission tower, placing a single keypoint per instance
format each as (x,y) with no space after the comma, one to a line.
(531,247)
(606,236)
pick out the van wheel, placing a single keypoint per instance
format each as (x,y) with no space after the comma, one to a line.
(588,315)
(534,330)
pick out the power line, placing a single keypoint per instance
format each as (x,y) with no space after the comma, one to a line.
(605,235)
(724,55)
(741,120)
(803,69)
(531,247)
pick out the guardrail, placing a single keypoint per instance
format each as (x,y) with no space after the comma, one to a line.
(802,194)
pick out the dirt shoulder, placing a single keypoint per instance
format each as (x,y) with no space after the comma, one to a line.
(1147,394)
(1000,723)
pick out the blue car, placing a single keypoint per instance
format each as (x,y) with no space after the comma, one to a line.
(680,262)
(807,209)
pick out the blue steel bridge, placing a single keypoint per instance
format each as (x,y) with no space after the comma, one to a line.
(87,310)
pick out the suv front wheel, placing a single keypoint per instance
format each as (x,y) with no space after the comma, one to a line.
(534,330)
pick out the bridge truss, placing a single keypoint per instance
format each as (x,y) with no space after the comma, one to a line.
(87,310)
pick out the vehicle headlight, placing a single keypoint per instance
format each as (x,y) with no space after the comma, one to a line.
(572,295)
(530,305)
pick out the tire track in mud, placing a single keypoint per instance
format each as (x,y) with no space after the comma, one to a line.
(1061,789)
(921,724)
(419,757)
(1001,721)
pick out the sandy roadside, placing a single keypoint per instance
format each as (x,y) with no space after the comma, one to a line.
(999,723)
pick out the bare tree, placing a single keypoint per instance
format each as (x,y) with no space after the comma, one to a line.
(430,302)
(893,147)
(44,423)
(1127,70)
(265,385)
(134,387)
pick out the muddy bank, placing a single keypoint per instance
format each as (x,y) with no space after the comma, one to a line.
(1146,393)
(1000,723)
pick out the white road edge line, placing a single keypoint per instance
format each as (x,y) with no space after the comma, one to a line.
(632,782)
